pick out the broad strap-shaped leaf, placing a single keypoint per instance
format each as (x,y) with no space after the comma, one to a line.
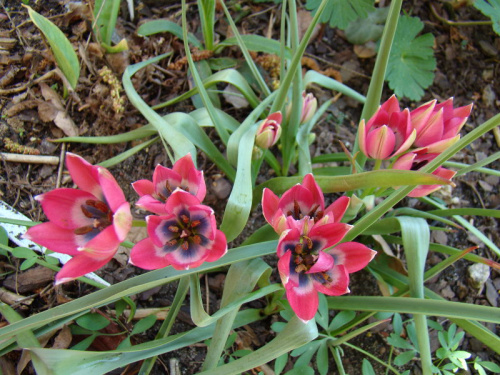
(411,62)
(105,15)
(166,26)
(62,49)
(335,184)
(179,143)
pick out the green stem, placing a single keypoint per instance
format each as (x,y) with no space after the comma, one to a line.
(338,360)
(372,357)
(374,94)
(164,330)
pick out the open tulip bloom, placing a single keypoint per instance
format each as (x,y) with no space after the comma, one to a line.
(305,199)
(183,175)
(311,260)
(184,237)
(438,125)
(88,223)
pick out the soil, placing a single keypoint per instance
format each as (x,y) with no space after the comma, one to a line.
(467,68)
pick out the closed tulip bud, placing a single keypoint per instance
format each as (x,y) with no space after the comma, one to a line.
(269,131)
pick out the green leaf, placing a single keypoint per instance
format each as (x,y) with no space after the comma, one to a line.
(62,49)
(361,31)
(144,324)
(23,253)
(4,237)
(491,9)
(405,357)
(322,358)
(411,63)
(339,13)
(367,368)
(85,343)
(280,362)
(92,321)
(166,26)
(105,15)
(28,263)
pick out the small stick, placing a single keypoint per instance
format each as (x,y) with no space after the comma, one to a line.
(32,159)
(62,156)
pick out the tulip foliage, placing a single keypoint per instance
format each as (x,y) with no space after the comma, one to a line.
(320,226)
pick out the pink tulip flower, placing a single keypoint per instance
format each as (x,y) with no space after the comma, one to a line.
(269,131)
(388,133)
(89,223)
(414,161)
(438,125)
(183,175)
(184,237)
(301,200)
(309,106)
(308,264)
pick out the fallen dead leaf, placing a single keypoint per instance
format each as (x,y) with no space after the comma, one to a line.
(53,110)
(63,339)
(365,51)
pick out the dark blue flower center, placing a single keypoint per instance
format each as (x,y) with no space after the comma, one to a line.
(101,216)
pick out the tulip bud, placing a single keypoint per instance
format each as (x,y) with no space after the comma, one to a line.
(269,131)
(309,106)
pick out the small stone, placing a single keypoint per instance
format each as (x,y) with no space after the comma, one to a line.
(478,274)
(221,188)
(491,293)
(447,292)
(487,48)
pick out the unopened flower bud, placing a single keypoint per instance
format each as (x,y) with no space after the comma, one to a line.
(269,131)
(309,106)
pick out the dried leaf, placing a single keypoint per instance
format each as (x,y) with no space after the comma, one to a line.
(366,50)
(57,113)
(63,339)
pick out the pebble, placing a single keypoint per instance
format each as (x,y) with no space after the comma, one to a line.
(478,274)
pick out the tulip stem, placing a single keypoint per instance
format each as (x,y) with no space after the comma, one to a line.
(164,330)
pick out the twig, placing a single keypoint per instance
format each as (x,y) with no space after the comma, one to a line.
(32,159)
(458,23)
(62,157)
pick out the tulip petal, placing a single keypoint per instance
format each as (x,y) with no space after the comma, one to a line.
(84,175)
(122,221)
(303,298)
(104,243)
(323,263)
(79,266)
(55,238)
(148,203)
(337,284)
(353,256)
(380,143)
(146,255)
(338,208)
(63,207)
(270,203)
(218,248)
(113,194)
(143,187)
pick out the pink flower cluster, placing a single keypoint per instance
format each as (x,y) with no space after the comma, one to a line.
(90,223)
(413,138)
(311,257)
(183,234)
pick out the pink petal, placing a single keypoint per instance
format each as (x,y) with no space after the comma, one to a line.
(353,256)
(55,238)
(122,221)
(146,255)
(84,175)
(432,130)
(143,187)
(338,284)
(218,248)
(269,205)
(423,190)
(79,266)
(112,192)
(147,202)
(183,260)
(179,200)
(303,299)
(440,146)
(405,161)
(420,115)
(158,228)
(102,245)
(317,195)
(324,263)
(301,196)
(391,105)
(406,144)
(284,267)
(380,143)
(63,207)
(165,177)
(330,233)
(288,239)
(338,208)
(191,177)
